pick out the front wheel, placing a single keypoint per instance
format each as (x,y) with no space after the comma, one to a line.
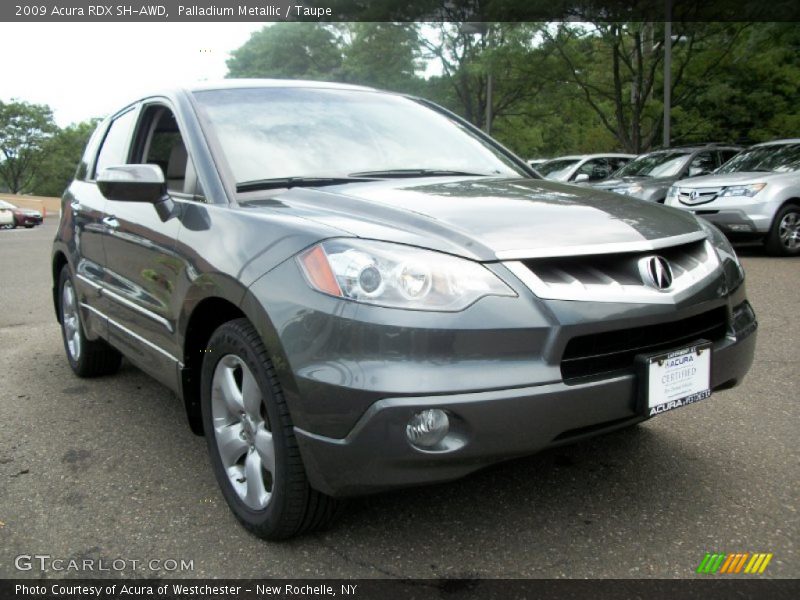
(251,439)
(784,237)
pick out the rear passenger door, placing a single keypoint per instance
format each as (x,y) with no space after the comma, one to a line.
(142,267)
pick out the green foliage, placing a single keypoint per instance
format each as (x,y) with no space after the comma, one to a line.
(60,155)
(382,55)
(289,50)
(24,130)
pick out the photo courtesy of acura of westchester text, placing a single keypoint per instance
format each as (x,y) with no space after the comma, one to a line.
(456,293)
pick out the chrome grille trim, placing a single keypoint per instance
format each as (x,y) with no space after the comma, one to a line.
(690,266)
(703,195)
(608,248)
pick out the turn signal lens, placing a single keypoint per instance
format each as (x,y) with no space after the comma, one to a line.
(318,269)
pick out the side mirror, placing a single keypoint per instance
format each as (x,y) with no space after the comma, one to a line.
(137,183)
(581,177)
(133,183)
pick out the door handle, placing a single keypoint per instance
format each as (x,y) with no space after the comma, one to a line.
(111,222)
(76,206)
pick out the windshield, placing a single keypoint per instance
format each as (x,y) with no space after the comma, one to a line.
(558,168)
(272,133)
(781,158)
(4,204)
(655,164)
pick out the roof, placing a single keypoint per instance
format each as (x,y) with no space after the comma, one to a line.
(777,142)
(227,84)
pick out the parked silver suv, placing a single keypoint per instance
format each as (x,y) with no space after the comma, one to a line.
(754,195)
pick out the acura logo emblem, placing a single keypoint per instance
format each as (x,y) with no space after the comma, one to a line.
(694,195)
(656,272)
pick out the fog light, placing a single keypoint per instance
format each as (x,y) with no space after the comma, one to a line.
(740,227)
(428,428)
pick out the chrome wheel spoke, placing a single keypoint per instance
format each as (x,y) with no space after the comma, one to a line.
(251,394)
(265,448)
(231,443)
(256,495)
(229,389)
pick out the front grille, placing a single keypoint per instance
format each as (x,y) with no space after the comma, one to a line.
(693,197)
(613,269)
(611,351)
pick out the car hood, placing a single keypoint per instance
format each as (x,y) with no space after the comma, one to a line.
(742,178)
(486,219)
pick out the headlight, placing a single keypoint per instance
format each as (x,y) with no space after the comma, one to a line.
(628,190)
(397,276)
(734,272)
(742,190)
(635,189)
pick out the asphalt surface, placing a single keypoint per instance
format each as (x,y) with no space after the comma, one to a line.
(107,469)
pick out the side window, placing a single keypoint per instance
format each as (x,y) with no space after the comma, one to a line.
(726,155)
(114,150)
(617,162)
(595,169)
(702,164)
(160,143)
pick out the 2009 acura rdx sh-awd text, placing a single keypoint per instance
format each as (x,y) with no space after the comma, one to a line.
(354,290)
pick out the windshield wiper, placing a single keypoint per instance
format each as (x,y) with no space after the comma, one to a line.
(290,182)
(415,173)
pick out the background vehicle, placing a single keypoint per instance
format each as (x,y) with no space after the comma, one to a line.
(22,217)
(583,167)
(756,195)
(354,290)
(6,218)
(535,162)
(649,176)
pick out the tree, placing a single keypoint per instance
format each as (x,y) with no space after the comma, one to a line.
(289,50)
(501,57)
(24,130)
(618,70)
(382,55)
(60,157)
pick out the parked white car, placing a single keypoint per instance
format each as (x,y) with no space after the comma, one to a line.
(583,167)
(6,218)
(755,195)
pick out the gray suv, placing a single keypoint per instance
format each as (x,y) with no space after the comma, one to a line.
(352,291)
(754,196)
(649,176)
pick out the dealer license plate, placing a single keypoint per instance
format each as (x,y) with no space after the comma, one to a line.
(677,378)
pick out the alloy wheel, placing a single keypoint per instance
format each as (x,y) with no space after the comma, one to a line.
(71,321)
(789,231)
(244,440)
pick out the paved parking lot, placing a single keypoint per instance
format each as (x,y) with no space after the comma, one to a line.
(107,469)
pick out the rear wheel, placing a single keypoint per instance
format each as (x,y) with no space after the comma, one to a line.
(88,358)
(784,237)
(251,439)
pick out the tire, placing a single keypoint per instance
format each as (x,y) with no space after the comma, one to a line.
(784,237)
(88,358)
(250,436)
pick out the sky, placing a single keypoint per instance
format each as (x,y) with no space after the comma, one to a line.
(85,70)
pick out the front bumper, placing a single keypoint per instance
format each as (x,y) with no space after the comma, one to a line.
(488,426)
(353,375)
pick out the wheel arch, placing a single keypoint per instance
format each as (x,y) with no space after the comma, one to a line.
(59,262)
(205,317)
